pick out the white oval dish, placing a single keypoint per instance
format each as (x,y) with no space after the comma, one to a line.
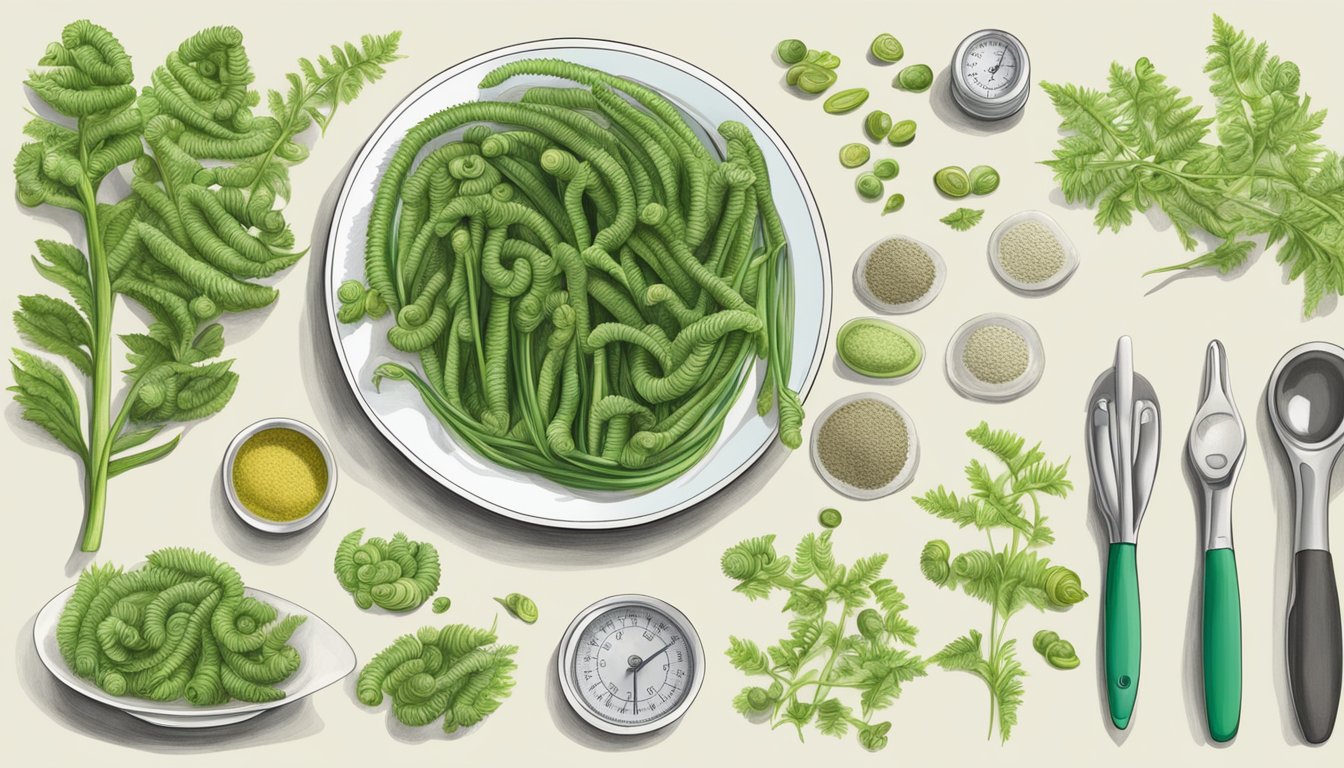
(398,413)
(1050,283)
(261,523)
(902,478)
(861,286)
(327,658)
(968,385)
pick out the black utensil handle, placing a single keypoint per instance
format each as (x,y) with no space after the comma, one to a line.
(1314,644)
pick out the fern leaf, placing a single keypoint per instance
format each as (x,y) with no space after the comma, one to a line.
(47,399)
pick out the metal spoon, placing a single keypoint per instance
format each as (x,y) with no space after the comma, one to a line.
(1306,405)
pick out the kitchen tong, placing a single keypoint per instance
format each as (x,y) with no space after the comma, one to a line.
(1124,431)
(1216,447)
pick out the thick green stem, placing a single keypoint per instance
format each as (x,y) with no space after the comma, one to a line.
(993,651)
(100,400)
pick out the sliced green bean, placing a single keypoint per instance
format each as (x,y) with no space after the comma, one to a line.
(848,100)
(877,125)
(853,155)
(869,186)
(902,132)
(886,48)
(916,78)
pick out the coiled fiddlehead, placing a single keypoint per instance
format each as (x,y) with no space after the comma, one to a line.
(1063,587)
(520,606)
(456,672)
(1057,652)
(933,562)
(179,627)
(397,575)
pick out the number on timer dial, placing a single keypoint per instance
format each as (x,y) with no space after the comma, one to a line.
(990,67)
(632,665)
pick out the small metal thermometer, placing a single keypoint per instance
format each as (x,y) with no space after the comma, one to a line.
(991,75)
(630,664)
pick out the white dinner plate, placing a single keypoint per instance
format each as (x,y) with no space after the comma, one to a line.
(397,411)
(326,658)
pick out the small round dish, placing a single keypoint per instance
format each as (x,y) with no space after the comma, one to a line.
(869,298)
(893,375)
(975,388)
(902,478)
(261,523)
(1053,281)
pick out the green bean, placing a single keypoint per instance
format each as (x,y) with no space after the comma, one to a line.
(869,186)
(952,181)
(877,125)
(810,77)
(902,132)
(983,180)
(885,47)
(886,169)
(791,51)
(916,78)
(853,155)
(848,100)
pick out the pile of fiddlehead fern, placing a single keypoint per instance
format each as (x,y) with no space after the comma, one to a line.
(396,575)
(585,284)
(457,673)
(179,627)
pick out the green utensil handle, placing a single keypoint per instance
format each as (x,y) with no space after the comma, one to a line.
(1122,633)
(1222,644)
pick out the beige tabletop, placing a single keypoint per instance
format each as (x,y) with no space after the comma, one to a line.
(286,367)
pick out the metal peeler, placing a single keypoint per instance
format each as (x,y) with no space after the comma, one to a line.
(1123,435)
(1216,447)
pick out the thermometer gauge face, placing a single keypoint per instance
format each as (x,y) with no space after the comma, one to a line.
(991,75)
(630,664)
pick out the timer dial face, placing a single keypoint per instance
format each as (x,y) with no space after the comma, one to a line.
(990,67)
(633,664)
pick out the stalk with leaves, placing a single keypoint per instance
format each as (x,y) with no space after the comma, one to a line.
(199,226)
(1008,574)
(844,639)
(1141,143)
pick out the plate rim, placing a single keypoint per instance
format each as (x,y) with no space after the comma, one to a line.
(142,707)
(540,44)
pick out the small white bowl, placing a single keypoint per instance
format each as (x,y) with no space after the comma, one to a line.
(968,385)
(261,523)
(1066,269)
(898,482)
(861,285)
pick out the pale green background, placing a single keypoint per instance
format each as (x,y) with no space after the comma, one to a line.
(286,368)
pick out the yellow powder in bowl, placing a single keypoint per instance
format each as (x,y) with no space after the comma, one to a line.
(899,271)
(279,475)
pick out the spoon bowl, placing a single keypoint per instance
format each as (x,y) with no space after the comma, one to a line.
(1309,396)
